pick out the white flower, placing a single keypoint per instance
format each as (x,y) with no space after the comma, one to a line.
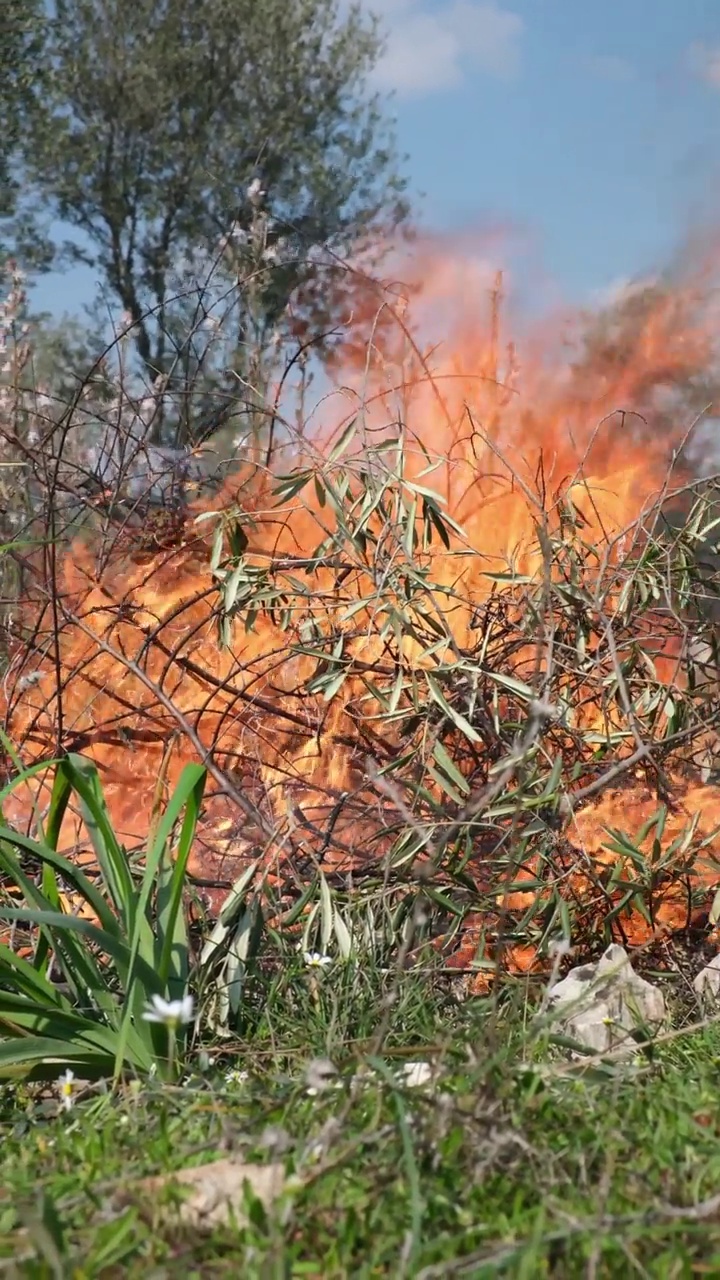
(234,1076)
(255,191)
(558,948)
(170,1012)
(415,1074)
(66,1085)
(320,1074)
(314,960)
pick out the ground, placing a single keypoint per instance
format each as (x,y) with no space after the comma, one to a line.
(513,1162)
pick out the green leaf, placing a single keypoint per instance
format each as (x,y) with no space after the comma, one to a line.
(319,490)
(457,719)
(19,1058)
(218,543)
(514,685)
(343,936)
(232,586)
(238,540)
(289,486)
(85,781)
(78,966)
(17,974)
(409,537)
(444,783)
(174,955)
(331,685)
(65,1026)
(432,515)
(23,776)
(70,873)
(339,448)
(449,768)
(108,942)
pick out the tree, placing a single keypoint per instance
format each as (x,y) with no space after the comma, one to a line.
(21,73)
(181,136)
(20,64)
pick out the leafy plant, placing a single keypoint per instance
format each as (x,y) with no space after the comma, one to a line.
(21,66)
(82,996)
(480,743)
(155,123)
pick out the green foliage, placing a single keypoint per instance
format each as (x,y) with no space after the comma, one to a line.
(79,1000)
(158,118)
(21,66)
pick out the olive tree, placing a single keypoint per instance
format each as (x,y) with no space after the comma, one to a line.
(196,141)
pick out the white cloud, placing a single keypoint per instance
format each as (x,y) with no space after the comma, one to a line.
(430,49)
(703,61)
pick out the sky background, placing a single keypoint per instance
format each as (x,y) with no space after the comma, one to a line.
(588,128)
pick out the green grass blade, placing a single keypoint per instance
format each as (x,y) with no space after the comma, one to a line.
(20,1018)
(108,942)
(61,1024)
(18,974)
(168,943)
(23,774)
(172,931)
(76,963)
(49,883)
(85,781)
(71,873)
(59,800)
(19,1058)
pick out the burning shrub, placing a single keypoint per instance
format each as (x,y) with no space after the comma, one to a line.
(426,653)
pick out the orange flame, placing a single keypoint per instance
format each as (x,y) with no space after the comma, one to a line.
(513,446)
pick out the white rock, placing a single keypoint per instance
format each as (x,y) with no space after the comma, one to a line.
(415,1074)
(601,1005)
(707,983)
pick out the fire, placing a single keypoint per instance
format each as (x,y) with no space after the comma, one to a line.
(516,448)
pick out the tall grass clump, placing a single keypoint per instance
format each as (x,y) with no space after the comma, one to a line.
(102,982)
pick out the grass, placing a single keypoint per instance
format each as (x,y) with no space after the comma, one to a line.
(513,1163)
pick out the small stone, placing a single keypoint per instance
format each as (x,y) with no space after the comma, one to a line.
(415,1074)
(214,1193)
(707,983)
(603,1006)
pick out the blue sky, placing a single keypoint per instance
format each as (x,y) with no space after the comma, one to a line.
(592,127)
